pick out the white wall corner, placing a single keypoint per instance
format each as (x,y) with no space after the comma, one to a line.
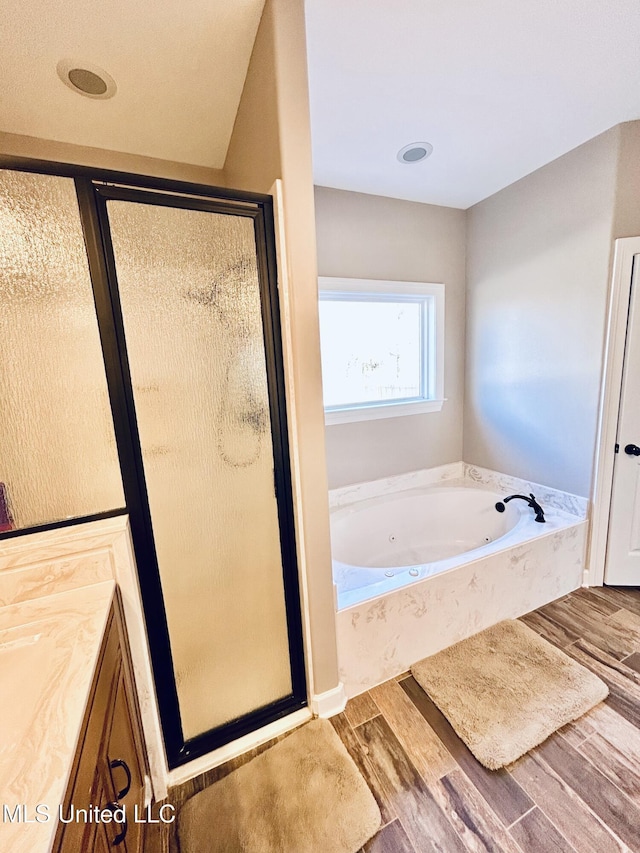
(330,702)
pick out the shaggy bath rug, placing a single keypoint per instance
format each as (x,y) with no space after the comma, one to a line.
(303,795)
(506,690)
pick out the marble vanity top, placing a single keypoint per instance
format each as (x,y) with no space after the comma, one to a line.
(49,650)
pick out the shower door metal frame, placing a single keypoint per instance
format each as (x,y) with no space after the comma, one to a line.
(93,198)
(94,187)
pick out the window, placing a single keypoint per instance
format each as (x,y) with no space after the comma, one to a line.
(382,348)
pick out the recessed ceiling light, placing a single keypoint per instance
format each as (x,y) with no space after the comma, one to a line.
(87,79)
(415,152)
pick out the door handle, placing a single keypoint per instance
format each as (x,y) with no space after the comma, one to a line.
(632,450)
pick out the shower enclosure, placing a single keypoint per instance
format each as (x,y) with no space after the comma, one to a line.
(186,309)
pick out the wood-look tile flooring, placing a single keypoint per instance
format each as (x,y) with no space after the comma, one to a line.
(579,791)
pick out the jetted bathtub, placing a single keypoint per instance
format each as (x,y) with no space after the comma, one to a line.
(387,542)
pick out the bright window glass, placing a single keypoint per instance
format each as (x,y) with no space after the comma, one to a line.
(371,350)
(381,348)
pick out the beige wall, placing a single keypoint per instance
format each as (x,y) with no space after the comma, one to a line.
(626,221)
(538,259)
(366,236)
(299,227)
(271,139)
(14,145)
(253,159)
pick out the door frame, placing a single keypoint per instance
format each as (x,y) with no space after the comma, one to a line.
(625,250)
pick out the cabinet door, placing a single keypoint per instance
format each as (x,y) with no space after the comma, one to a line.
(126,774)
(106,835)
(87,789)
(101,842)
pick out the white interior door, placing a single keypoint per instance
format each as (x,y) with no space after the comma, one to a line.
(622,565)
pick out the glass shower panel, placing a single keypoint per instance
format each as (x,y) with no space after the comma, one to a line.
(58,454)
(190,300)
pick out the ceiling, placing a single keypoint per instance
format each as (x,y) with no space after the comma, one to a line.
(179,68)
(499,87)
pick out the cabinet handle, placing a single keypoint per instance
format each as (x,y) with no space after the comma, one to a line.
(118,762)
(120,837)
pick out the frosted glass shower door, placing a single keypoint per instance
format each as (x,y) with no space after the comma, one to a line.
(191,311)
(58,458)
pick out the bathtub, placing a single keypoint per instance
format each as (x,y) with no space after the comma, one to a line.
(419,565)
(387,542)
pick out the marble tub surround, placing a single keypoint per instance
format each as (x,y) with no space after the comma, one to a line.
(385,636)
(457,473)
(545,495)
(49,648)
(389,485)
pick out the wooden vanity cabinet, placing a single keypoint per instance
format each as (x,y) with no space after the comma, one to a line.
(109,766)
(125,764)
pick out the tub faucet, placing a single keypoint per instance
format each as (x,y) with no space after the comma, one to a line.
(531,500)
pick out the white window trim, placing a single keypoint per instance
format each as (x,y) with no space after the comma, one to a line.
(399,408)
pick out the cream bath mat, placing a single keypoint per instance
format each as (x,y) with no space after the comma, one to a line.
(506,690)
(303,795)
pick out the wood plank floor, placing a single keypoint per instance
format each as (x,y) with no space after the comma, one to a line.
(579,792)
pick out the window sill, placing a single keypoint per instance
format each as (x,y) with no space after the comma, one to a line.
(374,413)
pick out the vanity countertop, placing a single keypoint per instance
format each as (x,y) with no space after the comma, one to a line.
(49,649)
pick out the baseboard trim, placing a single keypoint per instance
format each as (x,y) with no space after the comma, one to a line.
(330,702)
